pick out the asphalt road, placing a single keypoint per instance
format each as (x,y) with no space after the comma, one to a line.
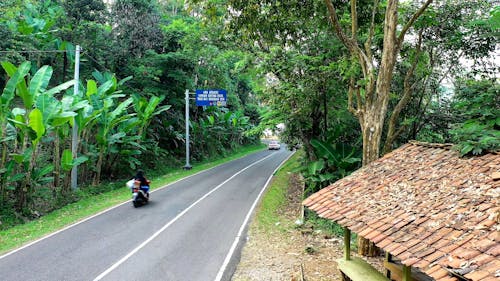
(191,230)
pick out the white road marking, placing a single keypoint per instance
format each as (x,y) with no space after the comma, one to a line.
(61,230)
(93,216)
(126,257)
(237,238)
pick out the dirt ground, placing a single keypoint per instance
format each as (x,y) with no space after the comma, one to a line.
(290,252)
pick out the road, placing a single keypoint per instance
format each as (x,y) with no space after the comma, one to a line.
(191,230)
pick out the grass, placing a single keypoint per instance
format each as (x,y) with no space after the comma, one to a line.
(19,235)
(268,214)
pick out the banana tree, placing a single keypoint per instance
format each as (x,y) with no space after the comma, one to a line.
(107,135)
(30,120)
(334,161)
(146,110)
(109,111)
(239,125)
(15,82)
(57,118)
(99,114)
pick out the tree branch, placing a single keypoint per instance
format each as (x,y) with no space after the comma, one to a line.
(354,89)
(336,25)
(410,71)
(368,43)
(407,93)
(358,98)
(354,21)
(350,95)
(415,16)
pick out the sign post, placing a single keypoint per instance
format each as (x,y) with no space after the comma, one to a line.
(203,98)
(211,97)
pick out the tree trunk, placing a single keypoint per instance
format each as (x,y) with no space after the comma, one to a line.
(21,187)
(98,167)
(374,115)
(57,162)
(2,164)
(371,107)
(83,172)
(27,187)
(372,134)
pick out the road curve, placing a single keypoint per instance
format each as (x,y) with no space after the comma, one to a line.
(191,230)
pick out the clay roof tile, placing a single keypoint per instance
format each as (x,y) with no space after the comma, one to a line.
(490,278)
(477,274)
(494,251)
(438,274)
(448,278)
(492,267)
(482,259)
(425,203)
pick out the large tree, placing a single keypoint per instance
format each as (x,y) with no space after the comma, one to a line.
(136,28)
(449,34)
(369,92)
(369,34)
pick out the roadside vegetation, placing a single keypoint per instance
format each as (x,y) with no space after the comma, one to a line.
(127,110)
(90,204)
(268,214)
(339,79)
(271,213)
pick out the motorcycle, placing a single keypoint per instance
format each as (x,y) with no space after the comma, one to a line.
(139,196)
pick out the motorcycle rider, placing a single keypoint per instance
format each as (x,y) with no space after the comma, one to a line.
(143,182)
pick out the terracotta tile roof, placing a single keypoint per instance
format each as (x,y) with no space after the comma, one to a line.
(425,205)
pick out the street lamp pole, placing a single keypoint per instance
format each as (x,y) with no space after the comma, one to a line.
(187,166)
(74,133)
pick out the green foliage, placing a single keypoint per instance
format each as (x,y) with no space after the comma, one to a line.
(101,113)
(219,132)
(450,36)
(29,121)
(68,162)
(328,226)
(335,161)
(476,138)
(136,28)
(79,11)
(477,101)
(122,124)
(269,216)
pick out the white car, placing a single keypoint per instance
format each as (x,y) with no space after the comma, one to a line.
(274,145)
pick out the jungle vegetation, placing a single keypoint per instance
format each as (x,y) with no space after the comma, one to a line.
(349,80)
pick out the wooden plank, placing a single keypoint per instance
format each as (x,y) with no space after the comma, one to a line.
(397,272)
(388,258)
(347,243)
(407,273)
(359,270)
(395,269)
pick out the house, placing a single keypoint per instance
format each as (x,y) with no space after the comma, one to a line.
(434,214)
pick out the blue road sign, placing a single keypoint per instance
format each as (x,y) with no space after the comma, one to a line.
(211,97)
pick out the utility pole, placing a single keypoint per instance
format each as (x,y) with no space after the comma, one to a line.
(187,166)
(74,136)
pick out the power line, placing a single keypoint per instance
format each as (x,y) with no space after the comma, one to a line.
(36,51)
(56,51)
(87,55)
